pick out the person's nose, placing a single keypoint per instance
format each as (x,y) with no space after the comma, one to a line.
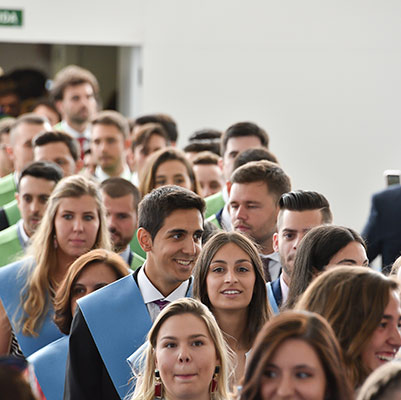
(184,355)
(230,276)
(78,225)
(285,387)
(190,246)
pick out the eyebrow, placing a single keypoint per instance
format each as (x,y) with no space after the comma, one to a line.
(236,262)
(197,335)
(347,260)
(298,366)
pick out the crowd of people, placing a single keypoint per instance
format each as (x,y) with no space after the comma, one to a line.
(132,269)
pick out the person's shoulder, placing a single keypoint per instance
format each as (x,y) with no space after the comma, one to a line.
(388,193)
(109,293)
(8,235)
(214,203)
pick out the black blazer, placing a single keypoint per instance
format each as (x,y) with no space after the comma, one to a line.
(383,229)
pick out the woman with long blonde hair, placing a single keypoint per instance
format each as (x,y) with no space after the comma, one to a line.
(186,355)
(73,223)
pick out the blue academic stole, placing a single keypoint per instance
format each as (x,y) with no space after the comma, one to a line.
(49,364)
(119,321)
(13,279)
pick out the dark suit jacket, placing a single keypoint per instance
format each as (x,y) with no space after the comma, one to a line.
(383,229)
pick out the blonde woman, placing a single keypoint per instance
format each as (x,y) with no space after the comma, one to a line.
(186,356)
(74,223)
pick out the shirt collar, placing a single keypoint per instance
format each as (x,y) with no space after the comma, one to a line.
(102,176)
(23,234)
(151,294)
(75,134)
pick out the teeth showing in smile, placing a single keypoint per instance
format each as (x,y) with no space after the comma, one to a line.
(385,358)
(184,262)
(231,292)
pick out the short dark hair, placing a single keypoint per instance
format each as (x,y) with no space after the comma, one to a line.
(205,134)
(112,118)
(157,205)
(276,180)
(118,187)
(200,146)
(206,158)
(254,154)
(241,129)
(165,120)
(303,200)
(43,170)
(57,136)
(145,132)
(72,75)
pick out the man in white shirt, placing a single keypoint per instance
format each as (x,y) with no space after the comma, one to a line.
(300,211)
(113,322)
(75,92)
(109,142)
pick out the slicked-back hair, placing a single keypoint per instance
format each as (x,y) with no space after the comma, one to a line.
(157,205)
(304,200)
(43,170)
(58,136)
(314,253)
(119,187)
(276,180)
(112,118)
(309,328)
(254,154)
(72,75)
(243,129)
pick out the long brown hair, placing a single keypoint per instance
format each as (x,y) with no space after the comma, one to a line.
(148,176)
(353,301)
(258,309)
(62,300)
(310,328)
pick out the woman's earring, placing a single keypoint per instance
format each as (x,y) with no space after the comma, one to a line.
(55,244)
(158,385)
(213,385)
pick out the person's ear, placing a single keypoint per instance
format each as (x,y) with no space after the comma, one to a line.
(228,186)
(144,239)
(275,242)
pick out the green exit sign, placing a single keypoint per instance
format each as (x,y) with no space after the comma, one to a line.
(10,17)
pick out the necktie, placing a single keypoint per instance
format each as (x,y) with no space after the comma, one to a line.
(83,144)
(265,262)
(161,303)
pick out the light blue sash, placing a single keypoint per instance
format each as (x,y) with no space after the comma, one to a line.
(118,320)
(12,282)
(49,364)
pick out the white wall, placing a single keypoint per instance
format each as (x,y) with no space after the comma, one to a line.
(323,77)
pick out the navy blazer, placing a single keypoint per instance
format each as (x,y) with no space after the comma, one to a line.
(383,229)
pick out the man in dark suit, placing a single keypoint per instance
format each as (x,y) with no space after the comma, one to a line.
(300,211)
(383,229)
(113,322)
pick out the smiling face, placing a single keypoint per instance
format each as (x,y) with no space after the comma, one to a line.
(230,279)
(76,226)
(294,372)
(172,253)
(173,172)
(386,339)
(186,357)
(352,254)
(92,278)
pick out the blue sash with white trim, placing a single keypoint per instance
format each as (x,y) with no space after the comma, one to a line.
(13,278)
(49,364)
